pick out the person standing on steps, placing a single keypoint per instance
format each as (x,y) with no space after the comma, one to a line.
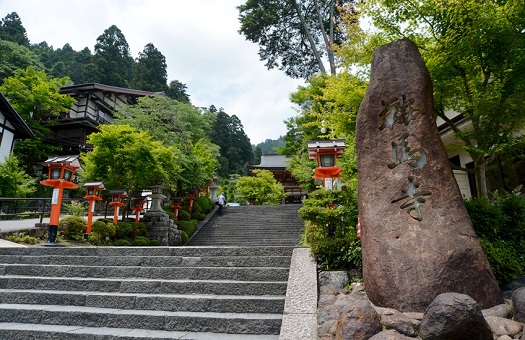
(221,201)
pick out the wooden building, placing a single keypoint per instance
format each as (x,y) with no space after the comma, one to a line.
(12,127)
(277,165)
(95,104)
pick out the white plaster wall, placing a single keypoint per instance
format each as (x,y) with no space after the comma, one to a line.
(7,140)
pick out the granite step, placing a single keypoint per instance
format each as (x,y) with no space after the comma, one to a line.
(151,286)
(237,323)
(14,330)
(161,273)
(166,302)
(151,261)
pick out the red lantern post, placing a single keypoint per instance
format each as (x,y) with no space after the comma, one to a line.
(60,176)
(191,197)
(117,200)
(176,205)
(93,192)
(326,153)
(138,206)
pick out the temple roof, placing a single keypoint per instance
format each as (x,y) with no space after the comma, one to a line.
(21,128)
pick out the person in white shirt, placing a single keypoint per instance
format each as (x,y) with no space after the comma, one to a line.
(221,201)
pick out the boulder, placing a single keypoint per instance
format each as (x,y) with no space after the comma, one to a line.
(358,321)
(389,335)
(502,311)
(393,319)
(453,316)
(502,326)
(518,304)
(334,279)
(417,237)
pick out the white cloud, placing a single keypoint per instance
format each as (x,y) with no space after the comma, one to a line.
(199,39)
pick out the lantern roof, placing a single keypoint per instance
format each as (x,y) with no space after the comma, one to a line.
(118,192)
(335,146)
(71,160)
(95,184)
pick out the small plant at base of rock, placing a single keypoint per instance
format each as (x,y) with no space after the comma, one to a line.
(183,237)
(22,238)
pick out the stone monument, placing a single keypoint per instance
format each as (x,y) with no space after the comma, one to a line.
(417,238)
(160,226)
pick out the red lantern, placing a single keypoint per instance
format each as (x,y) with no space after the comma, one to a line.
(93,192)
(117,200)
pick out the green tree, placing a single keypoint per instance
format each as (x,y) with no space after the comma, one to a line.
(180,125)
(262,187)
(294,36)
(177,90)
(37,99)
(14,56)
(235,147)
(474,52)
(15,182)
(112,59)
(11,29)
(124,157)
(150,70)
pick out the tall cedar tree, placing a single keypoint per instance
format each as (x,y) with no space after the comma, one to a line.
(236,150)
(11,29)
(113,62)
(150,70)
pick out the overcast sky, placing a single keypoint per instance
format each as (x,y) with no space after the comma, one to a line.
(198,38)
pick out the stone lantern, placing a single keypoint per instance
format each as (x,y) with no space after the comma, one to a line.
(138,206)
(326,153)
(157,197)
(176,205)
(93,192)
(117,200)
(213,187)
(191,197)
(61,170)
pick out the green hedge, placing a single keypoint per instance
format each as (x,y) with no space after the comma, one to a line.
(500,226)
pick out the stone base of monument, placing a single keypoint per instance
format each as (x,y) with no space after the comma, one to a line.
(161,228)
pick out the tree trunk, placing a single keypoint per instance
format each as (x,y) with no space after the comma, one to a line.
(480,168)
(328,39)
(309,35)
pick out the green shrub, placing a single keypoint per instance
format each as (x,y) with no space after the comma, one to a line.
(125,230)
(104,228)
(95,239)
(140,241)
(200,217)
(184,215)
(154,243)
(500,226)
(183,237)
(486,217)
(122,243)
(72,227)
(503,259)
(140,230)
(205,203)
(189,227)
(337,253)
(75,208)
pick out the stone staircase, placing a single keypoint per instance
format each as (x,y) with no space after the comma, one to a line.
(205,292)
(252,225)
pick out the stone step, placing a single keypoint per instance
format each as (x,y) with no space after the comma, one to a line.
(238,323)
(166,302)
(161,273)
(146,286)
(151,261)
(152,251)
(19,331)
